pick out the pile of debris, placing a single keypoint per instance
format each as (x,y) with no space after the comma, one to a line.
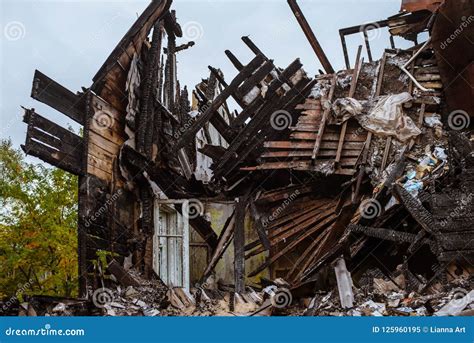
(371,163)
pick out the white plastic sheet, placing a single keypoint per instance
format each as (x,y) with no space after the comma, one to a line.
(388,119)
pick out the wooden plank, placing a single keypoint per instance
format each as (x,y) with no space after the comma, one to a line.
(217,103)
(255,79)
(100,153)
(299,165)
(99,173)
(309,145)
(388,144)
(293,244)
(239,243)
(313,41)
(213,151)
(35,120)
(110,147)
(235,61)
(106,167)
(54,142)
(355,77)
(311,136)
(257,220)
(322,126)
(309,153)
(257,105)
(303,221)
(222,244)
(58,97)
(70,163)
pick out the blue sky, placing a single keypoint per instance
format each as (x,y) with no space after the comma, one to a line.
(69,41)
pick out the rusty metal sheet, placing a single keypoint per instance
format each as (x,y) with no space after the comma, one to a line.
(418,5)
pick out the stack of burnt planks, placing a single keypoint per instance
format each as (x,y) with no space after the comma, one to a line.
(296,223)
(314,144)
(261,89)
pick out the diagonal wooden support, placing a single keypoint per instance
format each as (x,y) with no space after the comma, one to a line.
(255,124)
(355,77)
(313,41)
(322,126)
(418,212)
(219,101)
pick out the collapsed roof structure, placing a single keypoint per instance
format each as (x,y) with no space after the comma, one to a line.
(367,168)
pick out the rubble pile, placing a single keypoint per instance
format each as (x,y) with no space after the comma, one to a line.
(351,189)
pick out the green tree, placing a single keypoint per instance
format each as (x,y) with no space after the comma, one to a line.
(38,227)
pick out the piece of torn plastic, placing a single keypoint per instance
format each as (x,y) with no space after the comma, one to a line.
(345,108)
(387,118)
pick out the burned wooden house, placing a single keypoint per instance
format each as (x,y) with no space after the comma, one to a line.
(373,163)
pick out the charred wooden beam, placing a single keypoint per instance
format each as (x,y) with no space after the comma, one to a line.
(288,101)
(418,212)
(356,29)
(237,64)
(239,243)
(217,103)
(253,47)
(221,246)
(171,25)
(145,122)
(355,78)
(255,79)
(322,126)
(53,144)
(58,97)
(57,158)
(311,37)
(213,151)
(122,276)
(262,235)
(254,125)
(294,243)
(134,37)
(385,234)
(181,47)
(37,121)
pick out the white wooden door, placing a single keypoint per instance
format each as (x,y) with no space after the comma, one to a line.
(171,246)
